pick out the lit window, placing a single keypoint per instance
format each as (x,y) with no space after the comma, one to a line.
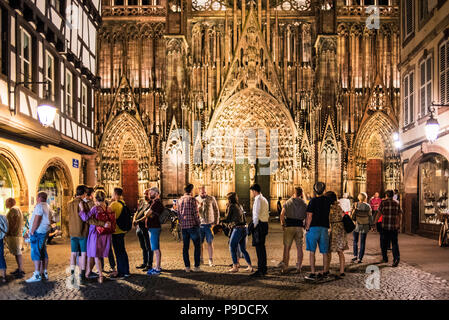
(84,104)
(25,56)
(69,94)
(409,98)
(50,74)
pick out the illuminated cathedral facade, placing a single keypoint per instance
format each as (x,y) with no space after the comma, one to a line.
(226,93)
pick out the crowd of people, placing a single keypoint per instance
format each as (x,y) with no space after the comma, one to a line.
(97,228)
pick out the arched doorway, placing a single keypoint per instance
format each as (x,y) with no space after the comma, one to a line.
(125,158)
(377,162)
(251,139)
(57,182)
(12,180)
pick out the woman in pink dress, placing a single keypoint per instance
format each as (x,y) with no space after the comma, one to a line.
(98,245)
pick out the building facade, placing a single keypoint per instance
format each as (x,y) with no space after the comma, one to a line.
(227,93)
(48,53)
(425,79)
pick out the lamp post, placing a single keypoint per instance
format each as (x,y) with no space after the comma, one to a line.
(432,125)
(46,112)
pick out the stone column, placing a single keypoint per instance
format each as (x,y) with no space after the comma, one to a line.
(89,177)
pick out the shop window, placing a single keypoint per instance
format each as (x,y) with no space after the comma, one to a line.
(6,187)
(51,184)
(433,176)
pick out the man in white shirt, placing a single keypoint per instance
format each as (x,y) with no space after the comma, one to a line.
(260,229)
(40,225)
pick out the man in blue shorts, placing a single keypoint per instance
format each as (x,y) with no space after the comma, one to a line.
(317,226)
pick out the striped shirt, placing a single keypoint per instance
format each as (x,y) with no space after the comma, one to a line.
(188,212)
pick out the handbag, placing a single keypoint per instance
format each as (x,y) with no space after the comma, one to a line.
(348,224)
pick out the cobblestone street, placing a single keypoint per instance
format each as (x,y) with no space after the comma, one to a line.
(404,282)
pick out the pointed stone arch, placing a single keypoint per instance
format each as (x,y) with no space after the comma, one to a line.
(374,144)
(124,139)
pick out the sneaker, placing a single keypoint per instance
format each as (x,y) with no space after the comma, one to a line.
(311,276)
(280,264)
(211,263)
(395,264)
(354,259)
(249,269)
(188,269)
(34,278)
(196,269)
(142,266)
(360,261)
(126,275)
(117,277)
(44,276)
(324,275)
(147,268)
(154,272)
(92,275)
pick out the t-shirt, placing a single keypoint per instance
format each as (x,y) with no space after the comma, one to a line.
(156,207)
(41,209)
(320,208)
(295,208)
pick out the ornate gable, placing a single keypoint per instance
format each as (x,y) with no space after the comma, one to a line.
(252,65)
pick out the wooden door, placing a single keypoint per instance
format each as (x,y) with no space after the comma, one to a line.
(374,177)
(130,183)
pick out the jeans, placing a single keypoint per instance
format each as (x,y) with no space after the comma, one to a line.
(390,237)
(144,240)
(118,242)
(2,255)
(194,234)
(238,240)
(360,253)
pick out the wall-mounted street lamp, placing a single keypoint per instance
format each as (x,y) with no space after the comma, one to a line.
(46,112)
(432,125)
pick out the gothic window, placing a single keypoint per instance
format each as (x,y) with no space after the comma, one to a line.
(133,62)
(299,5)
(425,86)
(329,162)
(208,5)
(444,72)
(409,98)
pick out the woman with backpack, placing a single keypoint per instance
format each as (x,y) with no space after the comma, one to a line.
(99,238)
(362,215)
(236,222)
(337,238)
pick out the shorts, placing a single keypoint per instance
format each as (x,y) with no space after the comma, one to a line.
(38,246)
(14,245)
(78,244)
(155,234)
(320,236)
(206,233)
(293,233)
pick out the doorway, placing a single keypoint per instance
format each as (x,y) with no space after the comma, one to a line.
(130,184)
(374,177)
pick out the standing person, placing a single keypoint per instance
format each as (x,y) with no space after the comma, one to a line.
(391,221)
(375,203)
(317,225)
(98,245)
(190,225)
(292,220)
(259,229)
(3,232)
(153,225)
(235,220)
(40,225)
(209,216)
(345,203)
(118,237)
(337,239)
(279,207)
(14,235)
(362,215)
(142,232)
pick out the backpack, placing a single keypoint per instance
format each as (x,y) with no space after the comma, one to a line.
(124,221)
(165,216)
(348,224)
(106,216)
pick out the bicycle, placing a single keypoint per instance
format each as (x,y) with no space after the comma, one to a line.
(443,239)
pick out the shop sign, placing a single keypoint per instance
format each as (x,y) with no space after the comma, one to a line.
(75,163)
